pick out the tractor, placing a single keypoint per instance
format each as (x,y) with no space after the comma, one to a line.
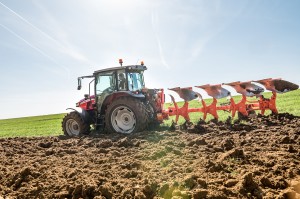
(120,103)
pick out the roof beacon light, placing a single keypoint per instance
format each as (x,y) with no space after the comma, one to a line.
(142,63)
(120,62)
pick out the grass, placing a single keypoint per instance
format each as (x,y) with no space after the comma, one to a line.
(46,125)
(50,125)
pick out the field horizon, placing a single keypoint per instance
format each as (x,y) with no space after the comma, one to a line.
(50,124)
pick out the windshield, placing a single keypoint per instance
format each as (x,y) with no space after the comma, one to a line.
(135,80)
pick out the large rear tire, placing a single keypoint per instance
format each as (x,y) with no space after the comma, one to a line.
(73,125)
(126,115)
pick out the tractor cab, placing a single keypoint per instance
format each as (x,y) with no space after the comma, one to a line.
(124,79)
(127,78)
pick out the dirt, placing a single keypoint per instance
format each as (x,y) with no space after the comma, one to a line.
(258,158)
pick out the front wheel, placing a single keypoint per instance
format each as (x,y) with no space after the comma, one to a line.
(126,115)
(73,125)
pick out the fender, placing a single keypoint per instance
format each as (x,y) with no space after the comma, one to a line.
(85,115)
(115,95)
(112,96)
(138,95)
(124,93)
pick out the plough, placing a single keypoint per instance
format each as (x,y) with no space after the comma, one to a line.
(244,107)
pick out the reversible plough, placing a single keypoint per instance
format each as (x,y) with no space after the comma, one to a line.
(244,107)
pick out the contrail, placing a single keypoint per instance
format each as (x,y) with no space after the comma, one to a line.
(26,21)
(44,33)
(37,49)
(158,42)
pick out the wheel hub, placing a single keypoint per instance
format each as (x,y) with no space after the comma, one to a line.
(123,119)
(72,127)
(75,127)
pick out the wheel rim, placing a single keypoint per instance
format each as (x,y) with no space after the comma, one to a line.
(123,120)
(72,127)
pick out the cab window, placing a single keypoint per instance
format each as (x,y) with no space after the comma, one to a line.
(105,83)
(122,82)
(135,80)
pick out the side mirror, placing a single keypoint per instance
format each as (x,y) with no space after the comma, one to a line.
(79,84)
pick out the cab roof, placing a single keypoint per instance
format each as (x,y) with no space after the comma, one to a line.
(129,67)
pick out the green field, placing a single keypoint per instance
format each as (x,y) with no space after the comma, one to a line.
(45,125)
(50,125)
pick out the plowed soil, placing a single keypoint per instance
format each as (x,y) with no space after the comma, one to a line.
(258,158)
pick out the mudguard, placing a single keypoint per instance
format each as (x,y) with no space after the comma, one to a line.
(136,95)
(113,96)
(85,115)
(109,97)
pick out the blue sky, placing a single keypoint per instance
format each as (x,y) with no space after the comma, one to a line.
(46,45)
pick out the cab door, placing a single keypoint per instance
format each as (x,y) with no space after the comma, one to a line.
(105,85)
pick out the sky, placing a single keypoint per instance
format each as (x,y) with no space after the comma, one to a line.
(46,45)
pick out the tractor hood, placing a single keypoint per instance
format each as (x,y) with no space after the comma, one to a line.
(87,103)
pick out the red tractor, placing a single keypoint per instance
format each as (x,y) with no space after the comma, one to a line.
(120,103)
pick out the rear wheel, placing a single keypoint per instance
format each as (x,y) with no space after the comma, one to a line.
(73,125)
(126,115)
